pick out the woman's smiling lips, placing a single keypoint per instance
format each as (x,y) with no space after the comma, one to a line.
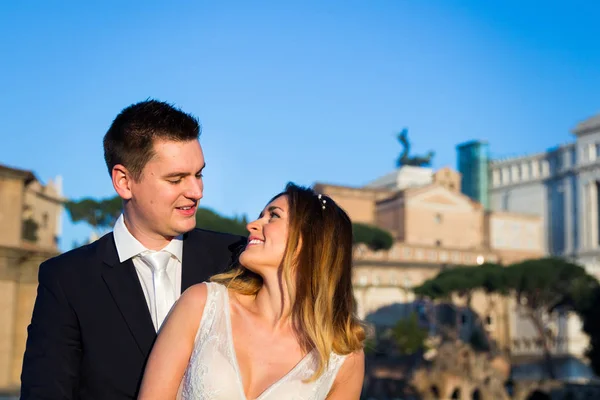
(254,240)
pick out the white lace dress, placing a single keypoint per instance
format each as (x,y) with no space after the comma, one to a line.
(213,372)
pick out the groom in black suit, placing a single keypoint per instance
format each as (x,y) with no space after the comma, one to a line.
(98,307)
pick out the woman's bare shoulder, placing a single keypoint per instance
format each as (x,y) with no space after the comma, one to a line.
(349,380)
(189,307)
(194,297)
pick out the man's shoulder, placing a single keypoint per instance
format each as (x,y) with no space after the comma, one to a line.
(75,258)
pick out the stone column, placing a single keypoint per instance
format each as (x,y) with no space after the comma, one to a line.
(585,220)
(569,217)
(8,296)
(593,214)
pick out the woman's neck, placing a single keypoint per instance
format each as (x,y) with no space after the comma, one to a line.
(272,302)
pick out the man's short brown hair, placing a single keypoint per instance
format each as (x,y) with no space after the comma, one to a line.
(130,139)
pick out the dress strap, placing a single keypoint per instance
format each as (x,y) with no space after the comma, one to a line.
(210,311)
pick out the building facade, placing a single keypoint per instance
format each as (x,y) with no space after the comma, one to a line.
(561,186)
(30,218)
(434,226)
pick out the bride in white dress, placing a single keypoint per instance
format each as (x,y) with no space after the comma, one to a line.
(280,325)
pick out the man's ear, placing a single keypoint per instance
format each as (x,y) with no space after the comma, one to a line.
(121,180)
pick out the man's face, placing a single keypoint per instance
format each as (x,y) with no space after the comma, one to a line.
(165,198)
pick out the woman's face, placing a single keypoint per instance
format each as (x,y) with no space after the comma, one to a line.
(268,238)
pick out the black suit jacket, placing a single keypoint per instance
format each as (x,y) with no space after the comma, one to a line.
(91,331)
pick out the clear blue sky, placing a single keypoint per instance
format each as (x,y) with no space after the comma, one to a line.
(292,90)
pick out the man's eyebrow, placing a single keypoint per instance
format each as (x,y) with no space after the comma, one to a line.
(178,174)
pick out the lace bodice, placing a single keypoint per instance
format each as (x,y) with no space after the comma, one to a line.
(213,372)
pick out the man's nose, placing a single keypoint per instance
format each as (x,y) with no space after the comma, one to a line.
(195,189)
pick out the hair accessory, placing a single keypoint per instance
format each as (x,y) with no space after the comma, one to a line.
(322,201)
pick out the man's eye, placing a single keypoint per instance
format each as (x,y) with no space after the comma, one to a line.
(175,182)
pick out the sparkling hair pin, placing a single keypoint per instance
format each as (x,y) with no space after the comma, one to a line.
(322,200)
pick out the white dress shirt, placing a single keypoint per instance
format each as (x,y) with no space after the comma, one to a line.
(129,247)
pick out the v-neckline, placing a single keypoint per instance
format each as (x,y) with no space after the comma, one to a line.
(236,365)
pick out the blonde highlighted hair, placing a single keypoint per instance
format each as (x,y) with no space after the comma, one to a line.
(318,275)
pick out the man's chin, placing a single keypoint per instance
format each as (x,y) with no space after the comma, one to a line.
(184,228)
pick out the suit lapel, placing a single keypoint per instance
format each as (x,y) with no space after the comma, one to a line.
(124,286)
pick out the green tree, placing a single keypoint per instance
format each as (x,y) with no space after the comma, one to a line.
(540,287)
(588,311)
(464,280)
(211,220)
(434,289)
(543,286)
(409,336)
(100,215)
(374,237)
(460,281)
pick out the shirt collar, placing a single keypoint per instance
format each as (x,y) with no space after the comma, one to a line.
(128,246)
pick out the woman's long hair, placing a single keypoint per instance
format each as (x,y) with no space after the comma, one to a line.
(319,256)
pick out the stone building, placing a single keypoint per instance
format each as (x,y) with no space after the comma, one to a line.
(458,372)
(434,226)
(30,218)
(561,186)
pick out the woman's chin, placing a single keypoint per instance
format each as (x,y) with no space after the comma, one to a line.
(253,266)
(258,263)
(245,261)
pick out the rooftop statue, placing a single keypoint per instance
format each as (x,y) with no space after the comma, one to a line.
(405,159)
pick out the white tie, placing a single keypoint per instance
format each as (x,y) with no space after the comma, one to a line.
(164,295)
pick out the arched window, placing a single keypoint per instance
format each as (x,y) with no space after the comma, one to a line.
(456,394)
